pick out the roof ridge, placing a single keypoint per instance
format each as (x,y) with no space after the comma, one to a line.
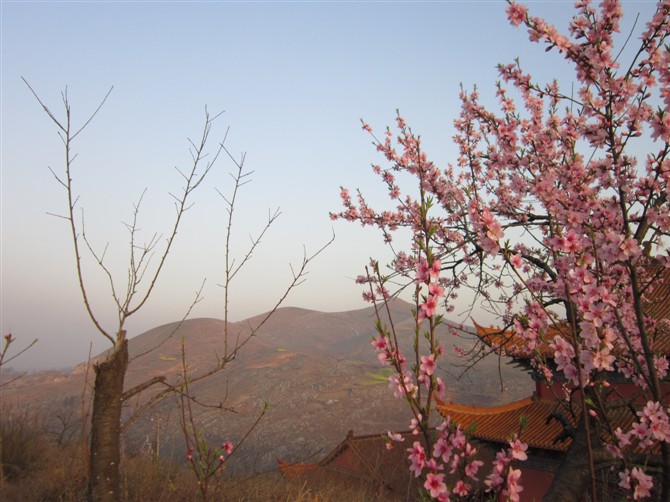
(492,410)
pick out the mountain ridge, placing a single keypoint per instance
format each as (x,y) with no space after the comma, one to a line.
(317,371)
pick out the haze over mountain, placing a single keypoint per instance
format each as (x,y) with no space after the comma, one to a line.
(317,372)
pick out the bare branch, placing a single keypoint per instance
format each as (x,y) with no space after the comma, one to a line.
(46,110)
(93,114)
(196,300)
(193,180)
(298,278)
(145,385)
(99,260)
(58,216)
(57,178)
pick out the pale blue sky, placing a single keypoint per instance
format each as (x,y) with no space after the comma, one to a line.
(294,78)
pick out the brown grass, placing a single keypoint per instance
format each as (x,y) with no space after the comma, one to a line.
(36,468)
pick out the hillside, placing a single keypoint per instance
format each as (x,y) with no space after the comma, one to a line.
(317,371)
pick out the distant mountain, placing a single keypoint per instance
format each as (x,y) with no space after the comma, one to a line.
(317,371)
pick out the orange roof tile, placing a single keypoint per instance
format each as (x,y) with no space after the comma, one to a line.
(367,457)
(498,424)
(295,471)
(360,459)
(658,299)
(514,346)
(656,305)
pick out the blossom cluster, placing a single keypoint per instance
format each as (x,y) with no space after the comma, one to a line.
(555,220)
(453,468)
(209,461)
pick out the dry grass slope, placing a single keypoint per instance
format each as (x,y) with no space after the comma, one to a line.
(35,468)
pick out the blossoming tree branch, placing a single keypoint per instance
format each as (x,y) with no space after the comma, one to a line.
(556,214)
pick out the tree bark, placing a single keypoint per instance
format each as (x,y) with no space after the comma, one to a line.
(104,479)
(665,478)
(572,477)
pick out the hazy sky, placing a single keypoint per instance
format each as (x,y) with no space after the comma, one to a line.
(294,79)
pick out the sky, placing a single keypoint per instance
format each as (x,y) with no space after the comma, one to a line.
(293,78)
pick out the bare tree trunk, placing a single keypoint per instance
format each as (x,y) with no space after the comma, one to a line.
(573,477)
(665,486)
(103,484)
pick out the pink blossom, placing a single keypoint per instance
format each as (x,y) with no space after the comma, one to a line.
(513,488)
(379,343)
(516,13)
(629,249)
(660,126)
(571,373)
(458,439)
(516,260)
(228,447)
(472,468)
(662,365)
(461,488)
(401,386)
(563,353)
(435,290)
(442,449)
(393,437)
(596,314)
(623,439)
(415,425)
(428,364)
(604,360)
(427,272)
(440,388)
(654,421)
(641,431)
(570,243)
(417,458)
(643,484)
(435,484)
(583,213)
(518,449)
(495,479)
(433,466)
(428,308)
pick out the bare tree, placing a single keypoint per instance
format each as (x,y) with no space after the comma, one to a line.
(109,394)
(208,462)
(142,276)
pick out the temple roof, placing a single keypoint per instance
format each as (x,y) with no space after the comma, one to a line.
(499,423)
(295,471)
(541,430)
(363,458)
(507,343)
(656,305)
(658,300)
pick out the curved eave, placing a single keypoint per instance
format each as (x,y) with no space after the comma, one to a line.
(508,343)
(499,423)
